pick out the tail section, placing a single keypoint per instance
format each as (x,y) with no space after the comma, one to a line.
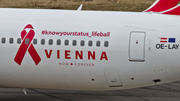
(162,5)
(173,11)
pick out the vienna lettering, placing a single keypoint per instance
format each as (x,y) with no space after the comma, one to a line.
(78,55)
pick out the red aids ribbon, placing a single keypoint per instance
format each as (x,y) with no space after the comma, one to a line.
(24,46)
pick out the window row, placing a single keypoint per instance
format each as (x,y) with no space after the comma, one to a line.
(58,42)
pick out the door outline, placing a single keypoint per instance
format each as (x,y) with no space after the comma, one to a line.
(118,80)
(137,59)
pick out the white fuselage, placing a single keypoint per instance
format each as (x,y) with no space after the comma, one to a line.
(136,55)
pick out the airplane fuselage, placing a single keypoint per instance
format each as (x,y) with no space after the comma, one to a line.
(87,50)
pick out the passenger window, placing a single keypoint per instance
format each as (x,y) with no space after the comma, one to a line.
(82,42)
(11,40)
(50,41)
(58,42)
(42,41)
(35,41)
(3,40)
(19,40)
(98,43)
(106,44)
(90,43)
(27,41)
(66,42)
(74,43)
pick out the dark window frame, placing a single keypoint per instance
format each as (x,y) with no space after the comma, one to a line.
(27,41)
(3,40)
(11,40)
(43,41)
(19,40)
(35,41)
(106,43)
(74,42)
(50,42)
(90,43)
(98,43)
(82,43)
(58,42)
(66,42)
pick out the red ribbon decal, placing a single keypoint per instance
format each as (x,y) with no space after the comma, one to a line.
(27,46)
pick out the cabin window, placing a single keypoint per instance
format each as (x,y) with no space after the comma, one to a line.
(90,43)
(11,40)
(3,40)
(19,40)
(106,44)
(66,42)
(50,41)
(82,42)
(27,41)
(58,42)
(35,41)
(42,41)
(98,43)
(74,43)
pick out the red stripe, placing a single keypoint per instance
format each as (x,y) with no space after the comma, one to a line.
(162,5)
(163,41)
(34,54)
(164,38)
